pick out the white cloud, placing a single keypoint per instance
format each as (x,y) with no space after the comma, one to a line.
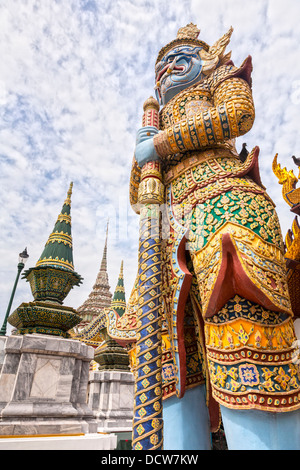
(73,80)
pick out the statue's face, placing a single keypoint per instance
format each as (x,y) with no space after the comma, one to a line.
(178,69)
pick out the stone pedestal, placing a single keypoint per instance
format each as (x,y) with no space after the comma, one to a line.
(91,441)
(43,387)
(111,396)
(2,351)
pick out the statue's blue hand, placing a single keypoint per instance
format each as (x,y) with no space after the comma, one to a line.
(145,133)
(144,150)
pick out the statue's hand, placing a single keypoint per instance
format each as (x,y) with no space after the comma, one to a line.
(144,150)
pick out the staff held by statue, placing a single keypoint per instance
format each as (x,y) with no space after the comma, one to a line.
(147,421)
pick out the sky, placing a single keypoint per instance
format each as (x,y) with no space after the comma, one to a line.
(73,79)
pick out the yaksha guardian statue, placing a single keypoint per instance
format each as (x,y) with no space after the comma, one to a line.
(228,337)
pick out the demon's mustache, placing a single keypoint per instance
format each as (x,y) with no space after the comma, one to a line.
(167,70)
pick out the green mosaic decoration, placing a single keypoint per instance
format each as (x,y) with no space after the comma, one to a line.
(44,318)
(112,356)
(49,283)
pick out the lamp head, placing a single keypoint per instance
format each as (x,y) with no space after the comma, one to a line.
(23,257)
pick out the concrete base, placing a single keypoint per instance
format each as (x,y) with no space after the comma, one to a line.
(111,396)
(86,442)
(2,350)
(43,386)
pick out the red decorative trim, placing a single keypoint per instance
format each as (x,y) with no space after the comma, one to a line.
(213,405)
(244,71)
(169,390)
(166,357)
(252,400)
(184,292)
(254,356)
(232,280)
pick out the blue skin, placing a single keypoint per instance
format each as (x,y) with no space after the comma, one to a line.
(188,58)
(144,150)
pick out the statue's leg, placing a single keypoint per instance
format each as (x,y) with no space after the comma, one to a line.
(261,430)
(186,421)
(256,429)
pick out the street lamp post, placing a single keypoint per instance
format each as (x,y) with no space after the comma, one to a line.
(22,260)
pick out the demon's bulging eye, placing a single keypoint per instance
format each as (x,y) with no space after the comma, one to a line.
(170,59)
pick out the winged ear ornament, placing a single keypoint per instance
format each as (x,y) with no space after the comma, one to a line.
(215,55)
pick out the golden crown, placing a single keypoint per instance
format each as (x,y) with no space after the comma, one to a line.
(188,35)
(211,55)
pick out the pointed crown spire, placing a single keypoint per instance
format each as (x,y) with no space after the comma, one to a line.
(58,251)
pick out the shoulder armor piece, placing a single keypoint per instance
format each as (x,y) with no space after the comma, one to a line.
(229,70)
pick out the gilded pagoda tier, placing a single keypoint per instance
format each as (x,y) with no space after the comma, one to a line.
(99,298)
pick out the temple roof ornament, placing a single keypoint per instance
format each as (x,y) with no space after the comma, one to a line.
(291,195)
(288,180)
(109,353)
(123,328)
(100,296)
(93,332)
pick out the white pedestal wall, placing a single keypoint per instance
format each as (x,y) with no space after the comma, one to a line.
(111,394)
(43,386)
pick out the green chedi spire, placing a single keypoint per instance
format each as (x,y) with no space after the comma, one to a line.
(119,301)
(58,251)
(51,280)
(53,276)
(110,355)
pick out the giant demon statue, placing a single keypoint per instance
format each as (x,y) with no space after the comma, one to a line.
(228,338)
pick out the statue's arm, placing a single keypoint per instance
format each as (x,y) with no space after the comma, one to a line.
(231,116)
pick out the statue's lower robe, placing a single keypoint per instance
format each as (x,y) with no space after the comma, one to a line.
(228,313)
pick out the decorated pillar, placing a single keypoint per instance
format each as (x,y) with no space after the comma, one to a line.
(147,421)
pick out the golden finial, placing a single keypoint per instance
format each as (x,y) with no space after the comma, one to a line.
(69,194)
(151,103)
(189,31)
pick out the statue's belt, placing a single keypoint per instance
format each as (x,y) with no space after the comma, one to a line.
(197,158)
